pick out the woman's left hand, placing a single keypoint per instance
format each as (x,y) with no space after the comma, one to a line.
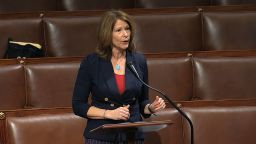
(157,105)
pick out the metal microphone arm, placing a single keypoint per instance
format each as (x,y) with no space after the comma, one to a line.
(131,66)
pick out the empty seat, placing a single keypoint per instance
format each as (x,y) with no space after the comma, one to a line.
(220,123)
(217,78)
(229,30)
(159,33)
(172,75)
(50,84)
(55,128)
(74,36)
(12,85)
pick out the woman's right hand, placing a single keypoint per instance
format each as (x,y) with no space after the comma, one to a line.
(121,113)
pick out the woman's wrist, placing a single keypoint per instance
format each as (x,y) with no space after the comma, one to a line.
(150,110)
(104,114)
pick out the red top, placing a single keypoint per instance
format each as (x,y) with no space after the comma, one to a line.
(120,79)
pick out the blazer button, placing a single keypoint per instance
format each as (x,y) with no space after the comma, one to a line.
(106,99)
(134,98)
(112,105)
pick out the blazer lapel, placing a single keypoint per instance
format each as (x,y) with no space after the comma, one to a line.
(110,80)
(129,76)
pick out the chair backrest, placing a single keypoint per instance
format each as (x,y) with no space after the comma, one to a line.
(45,127)
(73,36)
(50,83)
(221,122)
(172,32)
(12,85)
(217,78)
(229,30)
(172,75)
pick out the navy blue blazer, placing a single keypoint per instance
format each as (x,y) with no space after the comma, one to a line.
(96,78)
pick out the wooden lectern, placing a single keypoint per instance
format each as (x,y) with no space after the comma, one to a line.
(129,127)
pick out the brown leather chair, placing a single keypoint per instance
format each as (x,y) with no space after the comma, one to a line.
(51,126)
(171,75)
(12,85)
(218,78)
(173,32)
(221,122)
(50,83)
(229,30)
(73,36)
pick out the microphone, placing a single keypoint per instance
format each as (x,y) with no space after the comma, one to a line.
(131,66)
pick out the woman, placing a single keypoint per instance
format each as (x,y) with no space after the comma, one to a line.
(117,95)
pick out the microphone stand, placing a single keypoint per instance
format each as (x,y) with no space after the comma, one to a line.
(131,66)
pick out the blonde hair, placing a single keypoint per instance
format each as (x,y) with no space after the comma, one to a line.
(104,47)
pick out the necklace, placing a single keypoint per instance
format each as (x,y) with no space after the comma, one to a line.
(119,62)
(118,67)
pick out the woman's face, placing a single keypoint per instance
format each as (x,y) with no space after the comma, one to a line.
(121,35)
